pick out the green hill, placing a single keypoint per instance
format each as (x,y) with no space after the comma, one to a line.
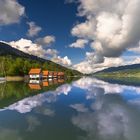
(129,71)
(18,63)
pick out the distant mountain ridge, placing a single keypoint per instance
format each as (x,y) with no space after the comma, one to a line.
(120,68)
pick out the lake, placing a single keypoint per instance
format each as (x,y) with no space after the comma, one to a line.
(85,109)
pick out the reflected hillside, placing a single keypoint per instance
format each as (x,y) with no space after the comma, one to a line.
(11,92)
(134,81)
(95,86)
(109,87)
(28,104)
(85,109)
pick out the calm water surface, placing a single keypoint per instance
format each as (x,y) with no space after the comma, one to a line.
(86,109)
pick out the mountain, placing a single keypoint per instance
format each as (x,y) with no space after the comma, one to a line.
(18,63)
(127,71)
(6,49)
(121,68)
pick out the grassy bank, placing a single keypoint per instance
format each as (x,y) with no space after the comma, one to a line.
(26,78)
(127,77)
(120,74)
(14,78)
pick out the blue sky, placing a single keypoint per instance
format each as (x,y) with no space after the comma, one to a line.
(55,18)
(85,35)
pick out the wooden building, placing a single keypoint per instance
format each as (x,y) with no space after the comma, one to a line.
(55,74)
(35,73)
(45,74)
(61,75)
(38,74)
(50,74)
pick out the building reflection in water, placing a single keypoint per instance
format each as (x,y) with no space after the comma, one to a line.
(39,84)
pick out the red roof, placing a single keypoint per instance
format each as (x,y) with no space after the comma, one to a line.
(35,71)
(50,72)
(45,73)
(60,73)
(55,73)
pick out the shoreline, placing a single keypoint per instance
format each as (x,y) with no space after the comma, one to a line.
(26,78)
(15,78)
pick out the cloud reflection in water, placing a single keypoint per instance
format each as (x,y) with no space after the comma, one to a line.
(109,116)
(26,105)
(107,112)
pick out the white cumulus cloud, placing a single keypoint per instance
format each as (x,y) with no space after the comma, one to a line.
(10,12)
(111,25)
(45,41)
(28,46)
(88,66)
(62,60)
(80,43)
(52,52)
(33,29)
(32,48)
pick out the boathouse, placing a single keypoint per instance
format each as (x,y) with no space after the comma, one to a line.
(50,74)
(61,74)
(55,74)
(35,73)
(45,74)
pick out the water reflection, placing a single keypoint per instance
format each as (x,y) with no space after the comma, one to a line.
(86,109)
(94,87)
(38,85)
(11,92)
(27,104)
(109,116)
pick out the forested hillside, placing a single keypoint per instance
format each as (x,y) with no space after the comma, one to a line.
(18,63)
